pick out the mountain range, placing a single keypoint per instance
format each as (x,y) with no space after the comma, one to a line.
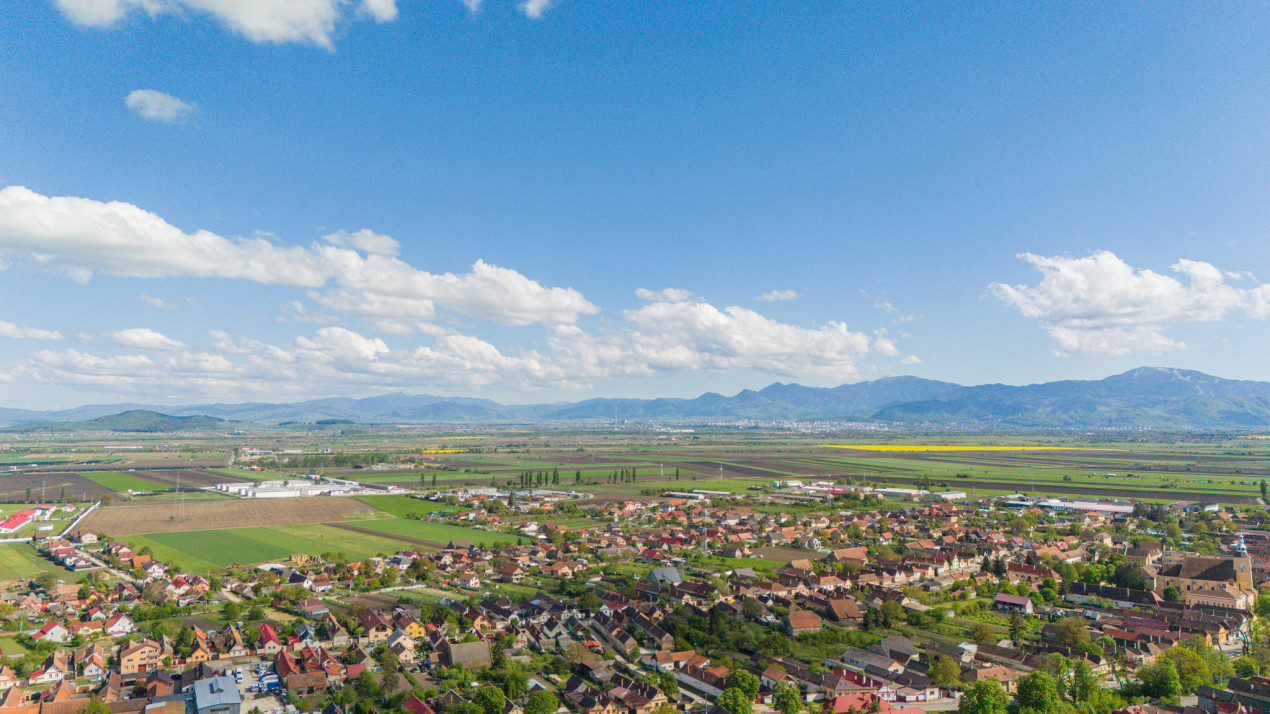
(1147,397)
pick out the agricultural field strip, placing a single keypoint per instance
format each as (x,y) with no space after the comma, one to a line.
(120,482)
(435,532)
(247,546)
(19,561)
(1039,473)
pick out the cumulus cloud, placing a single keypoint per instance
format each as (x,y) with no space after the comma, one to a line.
(665,295)
(672,335)
(473,6)
(261,21)
(534,9)
(158,106)
(357,275)
(911,359)
(22,332)
(80,236)
(364,240)
(1101,305)
(777,295)
(381,10)
(145,338)
(661,338)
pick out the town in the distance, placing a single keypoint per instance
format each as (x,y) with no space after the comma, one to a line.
(223,568)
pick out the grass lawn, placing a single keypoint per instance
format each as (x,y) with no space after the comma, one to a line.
(10,647)
(436,532)
(121,482)
(401,505)
(19,561)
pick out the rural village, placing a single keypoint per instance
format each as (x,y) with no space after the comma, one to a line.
(830,596)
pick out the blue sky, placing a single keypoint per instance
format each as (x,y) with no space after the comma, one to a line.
(557,200)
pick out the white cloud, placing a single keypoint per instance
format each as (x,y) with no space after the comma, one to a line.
(911,359)
(534,9)
(776,295)
(22,332)
(159,303)
(473,6)
(885,346)
(145,338)
(658,339)
(275,21)
(79,236)
(158,106)
(666,295)
(1101,305)
(671,336)
(381,10)
(295,311)
(364,240)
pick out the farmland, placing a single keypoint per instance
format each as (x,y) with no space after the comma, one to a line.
(437,534)
(48,486)
(121,482)
(401,505)
(19,561)
(204,551)
(213,515)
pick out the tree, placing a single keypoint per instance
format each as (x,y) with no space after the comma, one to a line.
(1263,489)
(983,697)
(735,701)
(94,706)
(1245,667)
(1161,679)
(367,687)
(981,633)
(945,671)
(490,699)
(892,612)
(1072,631)
(1017,628)
(1084,683)
(515,683)
(744,681)
(389,681)
(787,698)
(1262,606)
(1171,594)
(1130,575)
(46,580)
(541,702)
(1038,692)
(589,601)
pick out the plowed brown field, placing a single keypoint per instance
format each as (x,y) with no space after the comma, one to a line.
(208,515)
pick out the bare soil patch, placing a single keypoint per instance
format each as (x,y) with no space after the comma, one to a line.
(186,478)
(787,555)
(48,486)
(391,536)
(213,515)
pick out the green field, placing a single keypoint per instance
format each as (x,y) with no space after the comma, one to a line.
(121,482)
(436,532)
(203,551)
(401,505)
(19,561)
(685,485)
(246,475)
